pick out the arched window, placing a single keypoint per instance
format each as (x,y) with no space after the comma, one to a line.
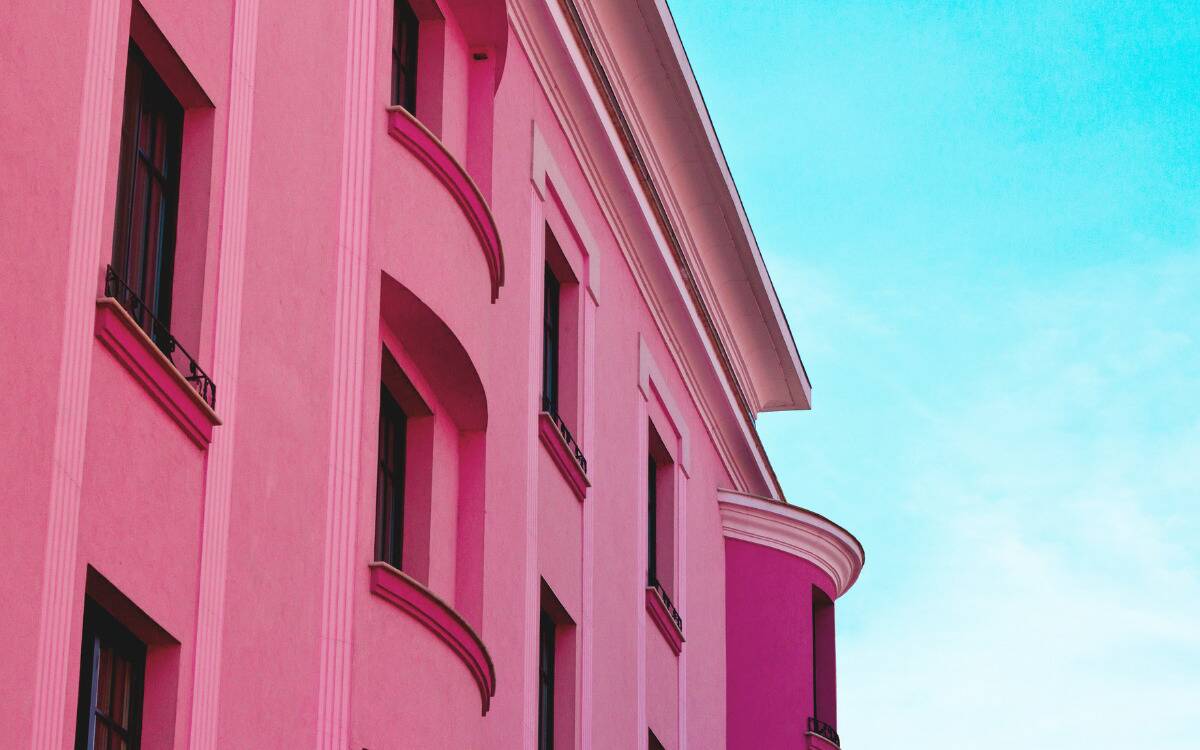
(430,453)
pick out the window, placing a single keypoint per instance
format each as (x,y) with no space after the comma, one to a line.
(148,197)
(652,523)
(405,470)
(660,527)
(660,517)
(111,674)
(389,487)
(546,682)
(550,315)
(562,353)
(558,653)
(823,674)
(405,27)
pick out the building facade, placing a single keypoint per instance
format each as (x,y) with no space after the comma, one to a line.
(383,374)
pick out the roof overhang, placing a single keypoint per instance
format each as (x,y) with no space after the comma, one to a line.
(654,79)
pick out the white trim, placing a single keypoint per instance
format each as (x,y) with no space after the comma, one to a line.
(545,173)
(793,530)
(650,379)
(527,30)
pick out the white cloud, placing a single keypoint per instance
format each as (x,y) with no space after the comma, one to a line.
(1054,600)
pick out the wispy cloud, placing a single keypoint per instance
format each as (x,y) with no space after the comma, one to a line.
(1055,600)
(983,221)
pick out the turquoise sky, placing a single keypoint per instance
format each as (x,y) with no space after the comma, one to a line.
(982,219)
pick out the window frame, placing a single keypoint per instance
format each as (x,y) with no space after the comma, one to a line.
(824,684)
(389,507)
(102,629)
(406,28)
(652,522)
(653,743)
(662,515)
(551,340)
(547,644)
(148,105)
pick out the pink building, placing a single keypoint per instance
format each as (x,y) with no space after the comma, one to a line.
(383,374)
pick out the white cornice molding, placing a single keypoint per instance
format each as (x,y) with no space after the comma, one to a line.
(691,124)
(793,530)
(536,42)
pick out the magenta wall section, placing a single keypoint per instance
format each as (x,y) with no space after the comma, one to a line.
(769,644)
(319,228)
(779,560)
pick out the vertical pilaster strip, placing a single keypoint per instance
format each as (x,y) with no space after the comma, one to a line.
(344,491)
(226,354)
(681,592)
(533,578)
(74,376)
(588,563)
(639,588)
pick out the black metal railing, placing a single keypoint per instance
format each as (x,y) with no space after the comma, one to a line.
(669,605)
(565,433)
(818,727)
(115,287)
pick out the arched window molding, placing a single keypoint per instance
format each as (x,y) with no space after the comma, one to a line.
(438,578)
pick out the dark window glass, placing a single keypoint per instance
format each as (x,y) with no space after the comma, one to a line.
(546,684)
(389,486)
(111,671)
(148,192)
(550,303)
(652,523)
(404,57)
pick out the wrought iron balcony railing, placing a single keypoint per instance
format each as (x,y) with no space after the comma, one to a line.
(822,729)
(669,606)
(115,287)
(566,433)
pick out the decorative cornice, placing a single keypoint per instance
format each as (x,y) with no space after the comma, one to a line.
(135,351)
(541,26)
(658,137)
(431,152)
(634,153)
(796,531)
(402,590)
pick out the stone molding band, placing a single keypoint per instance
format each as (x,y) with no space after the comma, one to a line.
(400,589)
(796,531)
(426,146)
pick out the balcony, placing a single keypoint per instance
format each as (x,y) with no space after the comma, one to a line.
(664,615)
(116,288)
(144,346)
(563,448)
(821,736)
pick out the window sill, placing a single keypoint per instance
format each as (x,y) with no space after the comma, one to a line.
(657,608)
(562,455)
(135,351)
(426,146)
(400,589)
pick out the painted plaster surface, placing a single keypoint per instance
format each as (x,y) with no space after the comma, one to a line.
(769,644)
(321,234)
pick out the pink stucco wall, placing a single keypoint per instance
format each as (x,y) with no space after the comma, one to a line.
(318,229)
